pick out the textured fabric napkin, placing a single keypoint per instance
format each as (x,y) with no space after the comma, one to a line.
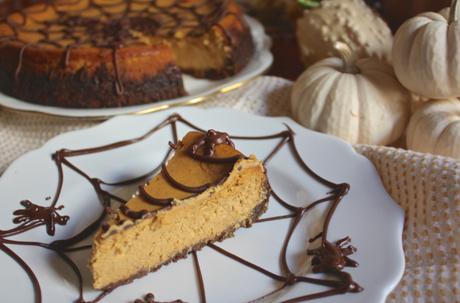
(427,187)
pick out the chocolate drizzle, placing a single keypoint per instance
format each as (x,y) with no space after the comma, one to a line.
(207,143)
(200,277)
(328,258)
(183,187)
(117,25)
(135,215)
(38,214)
(150,298)
(332,257)
(144,195)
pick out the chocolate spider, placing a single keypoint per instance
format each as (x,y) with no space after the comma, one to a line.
(35,213)
(209,142)
(331,257)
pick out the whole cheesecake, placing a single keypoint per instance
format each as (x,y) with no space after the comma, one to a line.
(207,190)
(113,53)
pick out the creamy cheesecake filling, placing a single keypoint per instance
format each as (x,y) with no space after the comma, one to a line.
(146,244)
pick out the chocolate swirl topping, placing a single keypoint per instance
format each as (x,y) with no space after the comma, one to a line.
(330,258)
(207,143)
(135,215)
(108,24)
(152,200)
(186,188)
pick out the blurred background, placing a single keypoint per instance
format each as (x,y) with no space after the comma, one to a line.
(280,16)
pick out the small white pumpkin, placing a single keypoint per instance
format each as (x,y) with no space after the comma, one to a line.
(426,54)
(349,21)
(360,102)
(435,128)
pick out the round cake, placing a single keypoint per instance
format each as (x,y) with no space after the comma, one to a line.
(113,53)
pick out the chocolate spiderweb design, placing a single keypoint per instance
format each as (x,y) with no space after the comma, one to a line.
(108,24)
(329,258)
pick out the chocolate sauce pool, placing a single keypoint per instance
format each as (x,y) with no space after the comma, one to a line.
(330,258)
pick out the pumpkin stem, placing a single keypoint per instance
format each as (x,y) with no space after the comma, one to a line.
(348,57)
(454,11)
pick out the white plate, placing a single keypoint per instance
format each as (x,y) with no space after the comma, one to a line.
(367,214)
(197,88)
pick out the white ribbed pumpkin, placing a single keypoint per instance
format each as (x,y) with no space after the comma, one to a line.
(435,128)
(348,21)
(426,54)
(361,102)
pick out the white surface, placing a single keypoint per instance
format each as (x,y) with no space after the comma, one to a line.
(260,62)
(367,214)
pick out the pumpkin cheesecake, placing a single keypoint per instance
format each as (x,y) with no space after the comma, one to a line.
(113,53)
(206,191)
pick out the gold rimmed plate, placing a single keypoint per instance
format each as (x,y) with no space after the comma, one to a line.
(199,90)
(367,214)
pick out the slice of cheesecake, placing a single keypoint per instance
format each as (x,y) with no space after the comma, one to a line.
(203,194)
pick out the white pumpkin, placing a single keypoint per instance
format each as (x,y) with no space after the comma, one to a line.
(348,21)
(426,54)
(360,102)
(417,102)
(435,128)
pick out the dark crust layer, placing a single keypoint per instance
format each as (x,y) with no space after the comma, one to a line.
(81,90)
(258,211)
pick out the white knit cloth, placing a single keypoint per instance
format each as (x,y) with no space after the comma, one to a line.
(427,187)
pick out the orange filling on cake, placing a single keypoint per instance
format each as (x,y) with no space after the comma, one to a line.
(196,199)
